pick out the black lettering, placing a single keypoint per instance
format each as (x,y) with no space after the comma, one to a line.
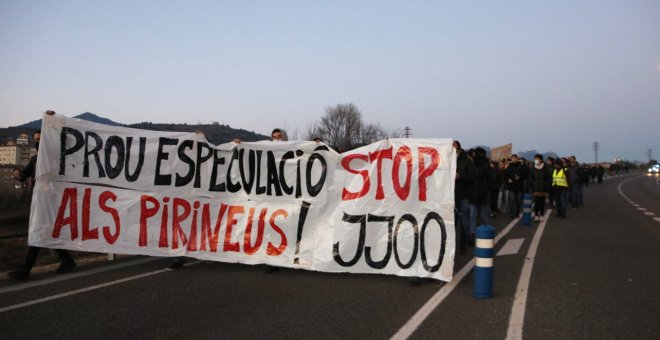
(247,181)
(95,152)
(215,186)
(443,232)
(64,151)
(118,144)
(231,186)
(163,179)
(272,178)
(183,180)
(314,190)
(260,189)
(358,252)
(200,160)
(134,176)
(367,250)
(409,218)
(285,187)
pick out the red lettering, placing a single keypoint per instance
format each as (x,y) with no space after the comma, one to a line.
(162,240)
(379,156)
(272,250)
(145,214)
(176,221)
(103,202)
(207,234)
(248,247)
(405,154)
(346,164)
(426,172)
(87,234)
(192,239)
(231,221)
(69,198)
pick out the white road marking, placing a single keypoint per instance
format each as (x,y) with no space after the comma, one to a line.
(511,247)
(416,320)
(517,320)
(74,275)
(640,208)
(87,289)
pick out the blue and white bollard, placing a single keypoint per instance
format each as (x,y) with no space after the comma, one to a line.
(483,270)
(527,209)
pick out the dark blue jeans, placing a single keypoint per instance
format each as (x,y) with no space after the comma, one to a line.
(561,200)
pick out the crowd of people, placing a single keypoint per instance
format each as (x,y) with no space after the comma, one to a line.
(485,189)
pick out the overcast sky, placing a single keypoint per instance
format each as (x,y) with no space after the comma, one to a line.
(546,75)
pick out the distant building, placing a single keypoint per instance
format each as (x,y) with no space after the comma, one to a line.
(23,139)
(18,152)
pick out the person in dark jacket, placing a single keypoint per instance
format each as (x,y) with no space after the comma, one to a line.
(462,185)
(514,184)
(480,190)
(498,181)
(540,181)
(67,264)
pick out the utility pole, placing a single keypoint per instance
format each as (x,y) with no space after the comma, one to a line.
(596,151)
(650,153)
(407,132)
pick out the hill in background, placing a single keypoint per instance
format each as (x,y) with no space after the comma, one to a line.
(215,133)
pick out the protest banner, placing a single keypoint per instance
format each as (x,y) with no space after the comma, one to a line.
(501,152)
(384,208)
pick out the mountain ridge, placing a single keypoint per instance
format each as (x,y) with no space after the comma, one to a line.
(214,133)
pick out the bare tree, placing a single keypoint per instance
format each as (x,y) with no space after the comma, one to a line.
(341,126)
(371,133)
(312,132)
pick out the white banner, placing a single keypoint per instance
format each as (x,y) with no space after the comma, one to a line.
(384,208)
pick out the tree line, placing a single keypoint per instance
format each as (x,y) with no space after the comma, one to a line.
(343,128)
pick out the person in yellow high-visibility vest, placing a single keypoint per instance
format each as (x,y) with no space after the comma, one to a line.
(560,188)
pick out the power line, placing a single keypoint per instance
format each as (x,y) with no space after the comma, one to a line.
(650,153)
(407,132)
(596,152)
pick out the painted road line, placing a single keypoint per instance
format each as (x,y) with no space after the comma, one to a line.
(511,247)
(31,284)
(641,209)
(416,320)
(87,289)
(657,219)
(517,320)
(648,213)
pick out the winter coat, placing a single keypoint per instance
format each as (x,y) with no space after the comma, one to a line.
(513,179)
(483,180)
(464,177)
(541,179)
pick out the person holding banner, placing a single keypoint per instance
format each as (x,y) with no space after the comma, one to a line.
(462,187)
(67,264)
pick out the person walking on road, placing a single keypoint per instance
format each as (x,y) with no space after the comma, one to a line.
(462,185)
(480,191)
(67,264)
(514,185)
(540,181)
(560,187)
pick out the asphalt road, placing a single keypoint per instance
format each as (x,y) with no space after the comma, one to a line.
(594,275)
